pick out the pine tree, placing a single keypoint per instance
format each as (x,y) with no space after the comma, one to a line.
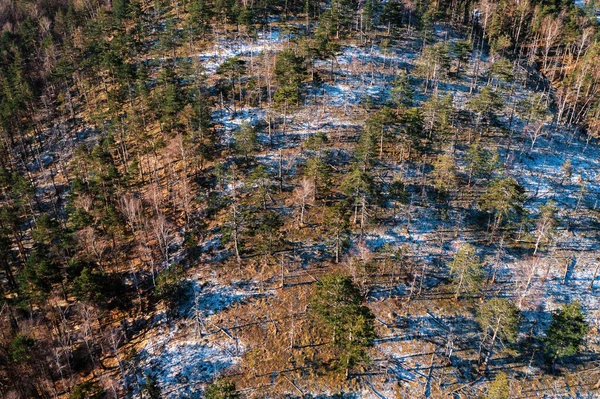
(21,349)
(546,224)
(504,199)
(461,50)
(336,303)
(485,104)
(434,64)
(445,178)
(170,285)
(392,14)
(482,163)
(437,116)
(499,388)
(336,222)
(262,184)
(265,226)
(86,390)
(320,172)
(151,388)
(366,149)
(358,186)
(499,320)
(289,68)
(380,126)
(233,68)
(316,142)
(198,23)
(402,91)
(501,69)
(246,140)
(90,287)
(566,333)
(466,272)
(221,389)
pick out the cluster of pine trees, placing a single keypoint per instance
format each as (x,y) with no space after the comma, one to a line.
(114,169)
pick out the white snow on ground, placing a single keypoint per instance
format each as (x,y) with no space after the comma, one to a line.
(186,361)
(183,367)
(240,47)
(187,354)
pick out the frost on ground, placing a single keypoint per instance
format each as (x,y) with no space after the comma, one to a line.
(183,367)
(190,352)
(186,357)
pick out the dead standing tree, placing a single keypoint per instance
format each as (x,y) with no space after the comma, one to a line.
(162,230)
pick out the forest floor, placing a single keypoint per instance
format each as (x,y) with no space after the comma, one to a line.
(426,341)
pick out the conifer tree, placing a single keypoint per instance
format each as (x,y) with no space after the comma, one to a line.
(546,224)
(336,303)
(445,178)
(246,140)
(320,173)
(466,272)
(499,388)
(485,104)
(221,389)
(402,90)
(504,200)
(500,320)
(482,163)
(461,49)
(336,222)
(433,65)
(566,333)
(151,388)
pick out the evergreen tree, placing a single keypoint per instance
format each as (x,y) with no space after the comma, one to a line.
(380,127)
(40,274)
(198,23)
(445,178)
(151,388)
(317,142)
(566,333)
(502,69)
(499,388)
(265,226)
(504,199)
(533,108)
(437,116)
(262,183)
(461,50)
(358,186)
(86,390)
(402,90)
(336,222)
(221,389)
(485,104)
(482,163)
(499,320)
(7,259)
(90,287)
(466,272)
(289,68)
(21,349)
(336,303)
(366,148)
(170,285)
(434,64)
(392,14)
(232,69)
(320,172)
(246,140)
(546,224)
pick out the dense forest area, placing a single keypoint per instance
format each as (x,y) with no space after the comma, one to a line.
(299,198)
